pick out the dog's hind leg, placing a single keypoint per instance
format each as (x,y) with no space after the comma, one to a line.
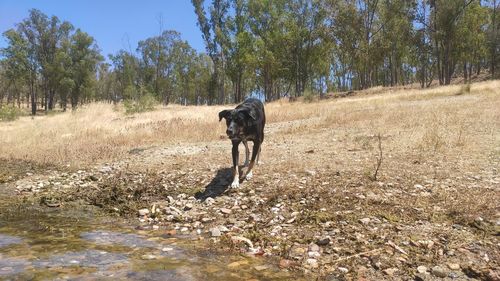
(255,151)
(247,153)
(258,156)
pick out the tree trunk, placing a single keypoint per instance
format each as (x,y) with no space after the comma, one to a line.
(33,97)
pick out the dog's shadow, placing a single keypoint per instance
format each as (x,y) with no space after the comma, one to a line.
(217,186)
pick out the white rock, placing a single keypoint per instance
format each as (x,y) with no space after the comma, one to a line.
(365,220)
(421,269)
(343,269)
(314,254)
(215,232)
(143,212)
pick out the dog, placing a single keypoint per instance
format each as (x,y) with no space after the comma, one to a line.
(245,123)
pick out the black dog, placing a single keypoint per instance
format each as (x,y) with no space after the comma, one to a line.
(245,123)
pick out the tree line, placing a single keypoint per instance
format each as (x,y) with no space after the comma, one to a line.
(270,48)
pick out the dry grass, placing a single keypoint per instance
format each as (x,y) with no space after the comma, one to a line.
(432,120)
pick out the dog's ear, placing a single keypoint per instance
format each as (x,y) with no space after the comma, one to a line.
(224,114)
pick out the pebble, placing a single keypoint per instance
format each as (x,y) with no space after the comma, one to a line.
(260,267)
(148,257)
(215,232)
(167,249)
(343,269)
(284,263)
(390,271)
(314,254)
(209,201)
(454,266)
(438,271)
(312,262)
(323,241)
(314,248)
(365,220)
(188,207)
(421,269)
(225,211)
(143,212)
(237,263)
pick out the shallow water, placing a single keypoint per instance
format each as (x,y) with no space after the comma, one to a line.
(76,243)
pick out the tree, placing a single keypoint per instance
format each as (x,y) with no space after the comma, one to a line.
(85,57)
(214,31)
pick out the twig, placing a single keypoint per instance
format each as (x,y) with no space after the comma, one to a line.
(379,159)
(356,255)
(396,247)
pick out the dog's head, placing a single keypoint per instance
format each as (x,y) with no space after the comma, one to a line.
(237,120)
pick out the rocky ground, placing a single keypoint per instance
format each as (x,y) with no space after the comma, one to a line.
(314,203)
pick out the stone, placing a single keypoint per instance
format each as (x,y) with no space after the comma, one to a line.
(365,220)
(143,212)
(390,271)
(284,263)
(343,269)
(215,232)
(314,248)
(314,254)
(237,263)
(260,267)
(312,263)
(106,169)
(439,271)
(167,249)
(188,207)
(148,257)
(209,201)
(225,211)
(454,266)
(422,269)
(323,241)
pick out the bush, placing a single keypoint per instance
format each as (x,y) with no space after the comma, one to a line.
(308,96)
(465,89)
(146,102)
(9,113)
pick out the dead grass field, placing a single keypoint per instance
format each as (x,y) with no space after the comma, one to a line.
(436,195)
(431,120)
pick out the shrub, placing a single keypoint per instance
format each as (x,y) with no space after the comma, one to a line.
(9,113)
(308,96)
(465,89)
(146,102)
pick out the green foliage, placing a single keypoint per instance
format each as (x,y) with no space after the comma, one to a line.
(145,102)
(465,89)
(263,46)
(308,96)
(9,113)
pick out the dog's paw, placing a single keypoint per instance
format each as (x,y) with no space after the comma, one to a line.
(249,176)
(235,184)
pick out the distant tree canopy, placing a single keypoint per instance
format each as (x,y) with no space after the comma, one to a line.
(265,47)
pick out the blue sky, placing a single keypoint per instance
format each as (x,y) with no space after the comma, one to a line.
(114,24)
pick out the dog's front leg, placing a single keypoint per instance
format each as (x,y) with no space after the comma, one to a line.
(236,175)
(255,151)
